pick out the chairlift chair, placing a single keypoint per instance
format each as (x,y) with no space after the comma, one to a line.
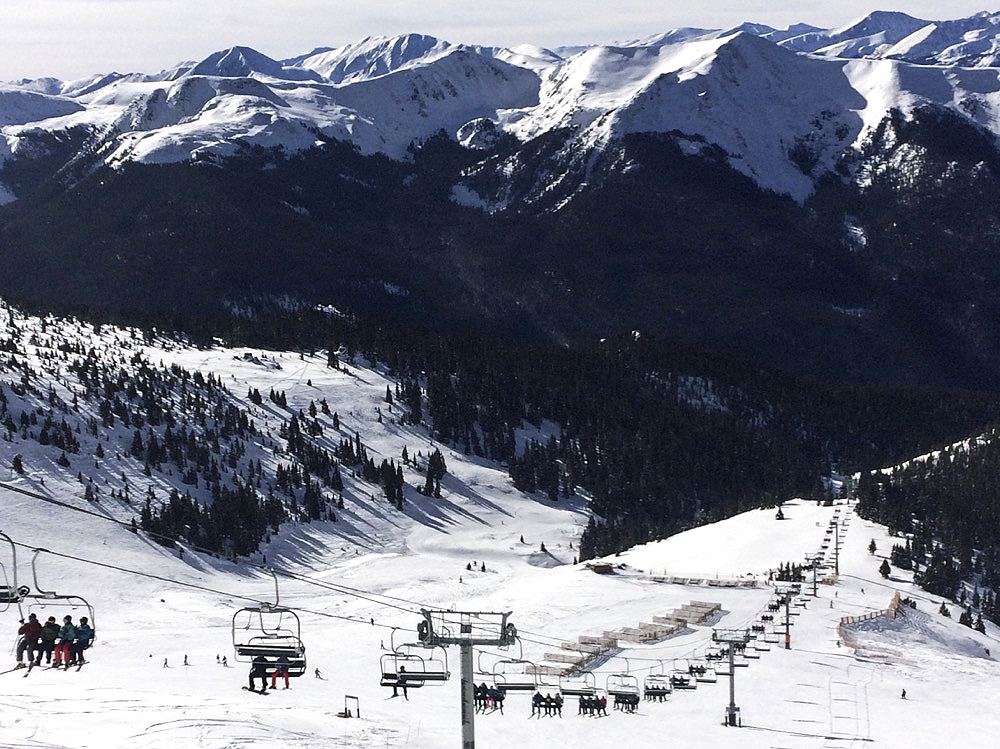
(516,675)
(582,684)
(43,601)
(414,665)
(10,592)
(656,686)
(708,676)
(622,685)
(681,679)
(269,630)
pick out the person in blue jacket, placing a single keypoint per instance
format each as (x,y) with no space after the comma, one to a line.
(84,637)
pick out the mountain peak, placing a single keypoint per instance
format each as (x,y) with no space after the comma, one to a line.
(373,56)
(244,62)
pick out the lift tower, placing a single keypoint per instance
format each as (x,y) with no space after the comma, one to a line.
(735,639)
(466,629)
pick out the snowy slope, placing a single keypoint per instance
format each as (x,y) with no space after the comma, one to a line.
(359,582)
(20,106)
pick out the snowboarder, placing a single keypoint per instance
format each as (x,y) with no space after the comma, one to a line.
(258,668)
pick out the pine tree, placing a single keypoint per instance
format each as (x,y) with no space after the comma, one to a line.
(884,569)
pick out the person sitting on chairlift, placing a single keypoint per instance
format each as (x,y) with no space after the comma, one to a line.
(258,669)
(281,669)
(400,682)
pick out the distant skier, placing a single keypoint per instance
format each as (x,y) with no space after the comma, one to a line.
(903,695)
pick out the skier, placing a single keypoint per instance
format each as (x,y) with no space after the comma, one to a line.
(400,682)
(29,631)
(67,633)
(50,633)
(258,668)
(903,695)
(84,636)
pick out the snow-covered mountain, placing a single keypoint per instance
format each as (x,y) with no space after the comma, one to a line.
(782,103)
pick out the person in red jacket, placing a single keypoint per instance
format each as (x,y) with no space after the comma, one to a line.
(29,631)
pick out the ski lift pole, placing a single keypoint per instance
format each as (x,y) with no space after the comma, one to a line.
(836,549)
(468,698)
(788,622)
(734,638)
(500,633)
(813,559)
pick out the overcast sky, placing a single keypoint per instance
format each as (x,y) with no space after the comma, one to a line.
(73,38)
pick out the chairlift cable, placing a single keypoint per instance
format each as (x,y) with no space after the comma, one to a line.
(331,586)
(194,586)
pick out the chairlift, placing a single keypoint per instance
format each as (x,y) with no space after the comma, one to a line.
(681,679)
(656,687)
(702,672)
(413,666)
(483,674)
(622,685)
(516,675)
(10,591)
(708,676)
(269,630)
(582,684)
(46,600)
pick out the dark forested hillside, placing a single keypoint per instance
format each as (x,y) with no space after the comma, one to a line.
(945,508)
(887,278)
(659,435)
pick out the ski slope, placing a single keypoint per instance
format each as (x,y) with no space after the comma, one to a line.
(360,583)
